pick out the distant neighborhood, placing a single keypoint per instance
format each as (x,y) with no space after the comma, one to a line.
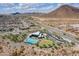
(14,23)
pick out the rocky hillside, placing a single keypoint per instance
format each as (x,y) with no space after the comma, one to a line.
(64,11)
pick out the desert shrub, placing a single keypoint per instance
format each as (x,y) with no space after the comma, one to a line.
(77,38)
(44,30)
(1,49)
(14,53)
(4,37)
(18,52)
(16,38)
(46,44)
(22,49)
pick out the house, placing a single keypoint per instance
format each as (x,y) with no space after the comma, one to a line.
(34,38)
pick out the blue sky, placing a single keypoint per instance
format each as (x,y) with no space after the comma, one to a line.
(30,7)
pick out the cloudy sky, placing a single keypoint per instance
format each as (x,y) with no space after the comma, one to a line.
(30,7)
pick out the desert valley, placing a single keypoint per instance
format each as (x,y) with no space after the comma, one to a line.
(51,34)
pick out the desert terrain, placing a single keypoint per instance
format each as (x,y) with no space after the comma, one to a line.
(60,25)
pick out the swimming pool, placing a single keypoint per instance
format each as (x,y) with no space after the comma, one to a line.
(31,41)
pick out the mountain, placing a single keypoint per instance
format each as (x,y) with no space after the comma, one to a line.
(15,13)
(63,11)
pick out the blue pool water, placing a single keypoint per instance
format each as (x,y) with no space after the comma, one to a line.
(31,41)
